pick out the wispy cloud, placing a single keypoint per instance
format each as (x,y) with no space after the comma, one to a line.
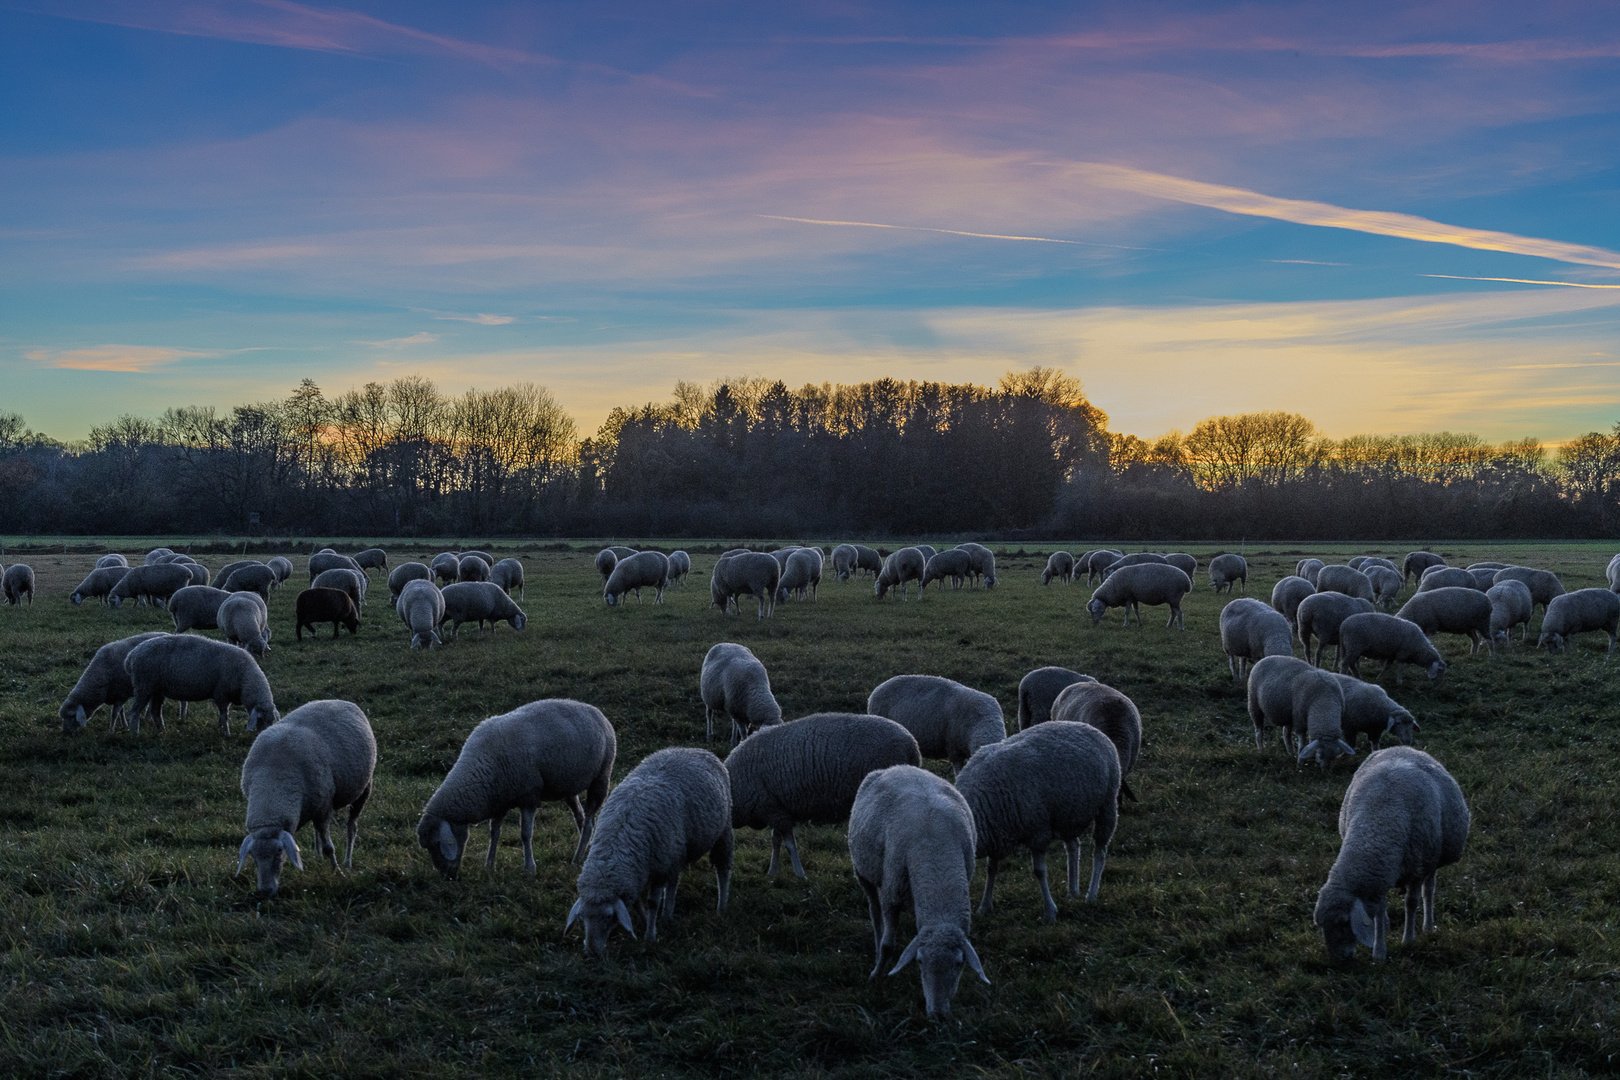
(950,232)
(1378,222)
(135,359)
(421,337)
(1523,281)
(480,318)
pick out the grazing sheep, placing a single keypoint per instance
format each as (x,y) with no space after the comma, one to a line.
(1250,631)
(752,573)
(947,719)
(489,560)
(282,566)
(472,568)
(244,620)
(808,771)
(372,559)
(1510,606)
(1452,611)
(1305,702)
(801,576)
(1140,558)
(1059,567)
(621,552)
(955,564)
(546,751)
(868,559)
(1050,782)
(230,568)
(1320,615)
(1227,568)
(843,560)
(322,605)
(1489,565)
(928,550)
(1342,579)
(155,584)
(199,573)
(911,839)
(322,561)
(1578,612)
(188,668)
(257,578)
(1097,565)
(669,811)
(981,563)
(1288,594)
(1448,577)
(1148,583)
(157,553)
(1113,714)
(649,569)
(1356,563)
(1418,561)
(104,682)
(447,565)
(902,566)
(196,607)
(680,564)
(1370,561)
(98,583)
(1389,638)
(1386,584)
(421,608)
(1612,573)
(1038,689)
(1308,569)
(479,602)
(781,556)
(112,559)
(404,574)
(1370,711)
(508,574)
(1402,819)
(352,582)
(316,761)
(734,684)
(1183,562)
(1543,584)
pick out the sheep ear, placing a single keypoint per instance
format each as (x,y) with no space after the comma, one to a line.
(1361,923)
(447,842)
(247,848)
(1310,748)
(624,917)
(1415,725)
(906,957)
(82,717)
(1346,747)
(972,959)
(1390,726)
(290,846)
(574,913)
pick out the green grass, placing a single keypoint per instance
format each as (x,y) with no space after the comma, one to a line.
(130,949)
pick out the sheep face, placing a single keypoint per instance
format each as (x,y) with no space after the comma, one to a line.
(1098,609)
(1551,641)
(1337,934)
(77,598)
(271,850)
(1437,669)
(1402,727)
(518,620)
(989,582)
(599,918)
(260,717)
(445,843)
(881,587)
(941,953)
(74,717)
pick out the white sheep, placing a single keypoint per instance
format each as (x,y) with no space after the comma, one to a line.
(1250,631)
(316,761)
(1612,574)
(1227,568)
(1320,615)
(1142,583)
(672,809)
(230,568)
(644,569)
(112,559)
(1059,567)
(1578,612)
(154,584)
(1308,569)
(907,564)
(1543,584)
(680,564)
(546,751)
(1418,561)
(1038,689)
(1110,712)
(1100,560)
(282,566)
(372,559)
(104,682)
(256,577)
(472,568)
(1182,561)
(196,607)
(844,561)
(751,573)
(447,565)
(421,608)
(488,559)
(1389,638)
(403,575)
(947,719)
(1288,594)
(1452,610)
(734,684)
(801,575)
(911,839)
(155,554)
(98,583)
(867,559)
(1402,819)
(479,602)
(1049,782)
(1305,702)
(328,560)
(199,573)
(508,574)
(1386,584)
(1451,577)
(1511,605)
(244,620)
(955,564)
(981,563)
(352,582)
(1370,711)
(187,668)
(1342,579)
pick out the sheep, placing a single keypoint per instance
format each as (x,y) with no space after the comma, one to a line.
(1305,702)
(553,750)
(199,574)
(318,604)
(947,719)
(982,563)
(1059,566)
(1140,558)
(734,684)
(479,602)
(1389,638)
(1356,563)
(1288,594)
(152,583)
(1386,584)
(753,573)
(1612,573)
(1452,611)
(1370,711)
(508,574)
(472,568)
(843,560)
(111,559)
(928,550)
(1484,578)
(781,556)
(1402,819)
(1250,631)
(1577,612)
(649,569)
(736,551)
(1110,712)
(801,576)
(1543,584)
(244,620)
(1049,782)
(954,564)
(1227,568)
(319,759)
(1038,689)
(230,568)
(1099,562)
(619,551)
(1418,561)
(911,839)
(352,582)
(666,814)
(1449,577)
(421,608)
(902,566)
(404,574)
(447,565)
(188,668)
(196,607)
(1371,561)
(157,553)
(104,682)
(1342,579)
(680,564)
(1308,569)
(331,560)
(1141,584)
(282,566)
(1511,605)
(372,559)
(808,771)
(99,582)
(257,578)
(1320,615)
(605,562)
(1183,562)
(868,559)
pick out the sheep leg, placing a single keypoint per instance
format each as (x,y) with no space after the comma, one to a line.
(889,942)
(649,912)
(776,853)
(1049,906)
(988,903)
(720,857)
(793,854)
(323,838)
(1428,904)
(494,838)
(1414,901)
(526,829)
(353,828)
(224,718)
(1071,853)
(669,897)
(1099,858)
(1381,933)
(580,821)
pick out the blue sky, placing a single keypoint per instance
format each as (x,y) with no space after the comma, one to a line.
(1194,208)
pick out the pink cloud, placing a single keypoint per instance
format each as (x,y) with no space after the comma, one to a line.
(135,359)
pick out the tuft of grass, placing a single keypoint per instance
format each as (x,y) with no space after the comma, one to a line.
(129,948)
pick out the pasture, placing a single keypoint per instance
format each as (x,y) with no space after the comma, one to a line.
(131,948)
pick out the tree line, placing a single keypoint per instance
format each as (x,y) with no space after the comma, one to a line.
(1028,457)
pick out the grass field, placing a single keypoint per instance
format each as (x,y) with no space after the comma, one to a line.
(130,949)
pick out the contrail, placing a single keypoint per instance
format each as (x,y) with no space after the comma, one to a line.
(950,232)
(1522,281)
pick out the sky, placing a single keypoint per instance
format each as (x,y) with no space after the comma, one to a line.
(1387,217)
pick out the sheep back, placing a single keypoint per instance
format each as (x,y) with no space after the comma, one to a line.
(1038,689)
(809,770)
(948,720)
